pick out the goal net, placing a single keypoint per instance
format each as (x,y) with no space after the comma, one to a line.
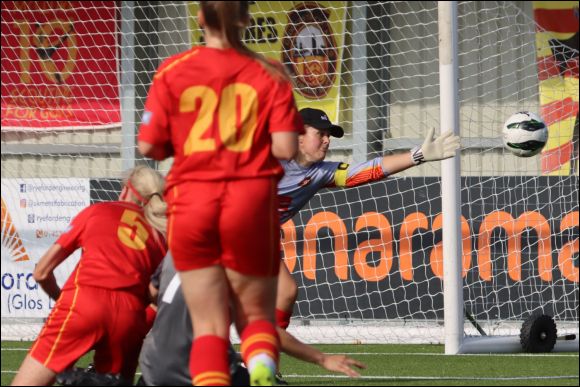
(368,260)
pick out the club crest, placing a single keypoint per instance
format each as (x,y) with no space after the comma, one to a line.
(309,49)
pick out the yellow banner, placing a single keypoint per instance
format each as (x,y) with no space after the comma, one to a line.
(554,4)
(557,29)
(543,47)
(307,37)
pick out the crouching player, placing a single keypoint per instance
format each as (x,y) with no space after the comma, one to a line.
(164,357)
(102,304)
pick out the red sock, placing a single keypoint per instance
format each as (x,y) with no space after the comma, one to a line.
(150,314)
(283,318)
(208,361)
(260,337)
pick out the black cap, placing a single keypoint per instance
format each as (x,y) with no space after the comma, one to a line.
(319,120)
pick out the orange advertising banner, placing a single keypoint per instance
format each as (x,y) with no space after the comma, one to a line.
(59,65)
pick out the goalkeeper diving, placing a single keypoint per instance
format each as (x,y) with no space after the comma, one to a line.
(308,173)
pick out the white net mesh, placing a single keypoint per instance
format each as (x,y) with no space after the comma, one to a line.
(368,260)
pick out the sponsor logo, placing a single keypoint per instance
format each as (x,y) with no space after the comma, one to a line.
(51,219)
(30,203)
(10,237)
(307,180)
(41,234)
(19,281)
(476,257)
(147,115)
(309,49)
(51,187)
(54,43)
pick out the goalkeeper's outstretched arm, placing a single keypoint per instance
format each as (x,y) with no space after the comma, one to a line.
(432,149)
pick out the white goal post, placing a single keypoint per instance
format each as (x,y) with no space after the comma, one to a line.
(450,178)
(486,235)
(455,340)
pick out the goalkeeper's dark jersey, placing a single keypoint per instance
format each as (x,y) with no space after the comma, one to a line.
(164,358)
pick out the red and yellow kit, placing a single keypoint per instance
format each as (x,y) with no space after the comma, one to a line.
(120,249)
(102,304)
(232,223)
(214,111)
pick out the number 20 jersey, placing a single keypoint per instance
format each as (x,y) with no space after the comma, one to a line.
(215,110)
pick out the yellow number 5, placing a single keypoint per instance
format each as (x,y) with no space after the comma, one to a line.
(132,231)
(237,112)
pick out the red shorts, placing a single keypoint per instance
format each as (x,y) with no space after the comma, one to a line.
(233,223)
(110,322)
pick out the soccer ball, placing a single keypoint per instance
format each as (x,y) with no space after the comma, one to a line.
(525,134)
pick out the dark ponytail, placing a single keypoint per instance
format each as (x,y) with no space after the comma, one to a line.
(232,17)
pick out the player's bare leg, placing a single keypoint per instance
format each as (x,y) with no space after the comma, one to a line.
(206,294)
(254,301)
(33,373)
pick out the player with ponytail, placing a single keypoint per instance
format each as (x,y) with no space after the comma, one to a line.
(102,304)
(144,186)
(226,114)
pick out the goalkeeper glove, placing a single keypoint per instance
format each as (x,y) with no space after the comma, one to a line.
(440,148)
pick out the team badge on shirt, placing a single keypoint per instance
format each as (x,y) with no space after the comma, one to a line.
(307,180)
(146,119)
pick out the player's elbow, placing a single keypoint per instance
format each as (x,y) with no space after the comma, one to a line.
(151,151)
(284,145)
(40,276)
(146,149)
(284,153)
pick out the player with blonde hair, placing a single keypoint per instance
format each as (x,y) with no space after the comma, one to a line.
(102,304)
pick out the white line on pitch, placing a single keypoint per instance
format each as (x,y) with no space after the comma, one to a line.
(432,377)
(575,354)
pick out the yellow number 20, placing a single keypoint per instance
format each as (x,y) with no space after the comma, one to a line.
(238,109)
(132,231)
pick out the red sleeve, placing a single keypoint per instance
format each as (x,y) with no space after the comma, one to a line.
(284,116)
(154,127)
(72,238)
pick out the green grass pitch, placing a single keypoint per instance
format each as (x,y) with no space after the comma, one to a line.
(401,365)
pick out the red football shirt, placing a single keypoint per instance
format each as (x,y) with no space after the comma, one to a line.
(120,249)
(215,110)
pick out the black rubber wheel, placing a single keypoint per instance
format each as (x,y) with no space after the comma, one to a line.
(538,334)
